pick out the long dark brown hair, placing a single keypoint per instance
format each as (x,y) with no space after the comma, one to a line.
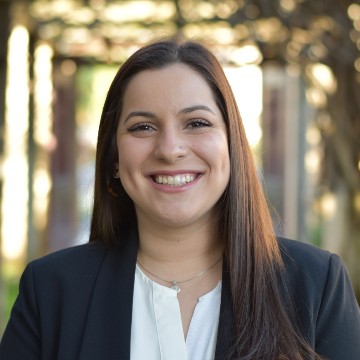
(263,322)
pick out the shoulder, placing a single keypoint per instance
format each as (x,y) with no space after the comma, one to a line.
(309,265)
(314,276)
(296,253)
(308,270)
(83,253)
(324,299)
(62,275)
(71,262)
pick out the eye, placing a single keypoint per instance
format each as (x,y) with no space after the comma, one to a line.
(198,123)
(143,127)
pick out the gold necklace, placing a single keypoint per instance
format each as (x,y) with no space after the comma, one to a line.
(174,283)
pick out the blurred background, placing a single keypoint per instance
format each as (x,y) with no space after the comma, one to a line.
(294,66)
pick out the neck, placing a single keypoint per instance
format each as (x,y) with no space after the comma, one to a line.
(180,253)
(164,243)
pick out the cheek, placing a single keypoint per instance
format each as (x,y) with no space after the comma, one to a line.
(131,159)
(221,159)
(124,156)
(216,150)
(223,151)
(225,168)
(126,163)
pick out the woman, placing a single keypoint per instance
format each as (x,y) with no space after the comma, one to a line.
(182,261)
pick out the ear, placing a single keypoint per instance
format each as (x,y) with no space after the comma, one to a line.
(116,174)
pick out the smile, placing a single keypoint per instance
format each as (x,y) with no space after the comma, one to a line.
(176,180)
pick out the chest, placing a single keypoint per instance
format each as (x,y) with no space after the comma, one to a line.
(158,323)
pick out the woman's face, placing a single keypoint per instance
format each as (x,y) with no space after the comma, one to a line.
(172,147)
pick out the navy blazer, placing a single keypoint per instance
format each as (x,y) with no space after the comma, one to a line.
(76,304)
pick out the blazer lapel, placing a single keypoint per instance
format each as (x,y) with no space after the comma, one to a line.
(108,327)
(225,330)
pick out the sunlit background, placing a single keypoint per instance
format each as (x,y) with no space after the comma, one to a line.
(294,66)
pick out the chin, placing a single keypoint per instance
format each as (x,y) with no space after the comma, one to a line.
(185,219)
(176,222)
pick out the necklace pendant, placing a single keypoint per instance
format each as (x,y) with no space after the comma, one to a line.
(175,287)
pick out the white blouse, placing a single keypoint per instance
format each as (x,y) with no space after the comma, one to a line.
(156,329)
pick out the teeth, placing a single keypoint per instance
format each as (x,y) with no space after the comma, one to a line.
(175,180)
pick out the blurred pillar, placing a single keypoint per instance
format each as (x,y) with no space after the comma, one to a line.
(62,227)
(4,36)
(298,189)
(285,120)
(274,137)
(32,248)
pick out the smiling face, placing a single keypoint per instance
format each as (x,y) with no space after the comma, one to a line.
(172,147)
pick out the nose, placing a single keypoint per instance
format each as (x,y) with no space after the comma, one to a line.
(170,145)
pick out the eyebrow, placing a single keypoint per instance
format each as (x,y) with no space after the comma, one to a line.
(145,114)
(194,108)
(184,111)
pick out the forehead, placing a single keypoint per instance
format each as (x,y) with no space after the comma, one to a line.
(176,82)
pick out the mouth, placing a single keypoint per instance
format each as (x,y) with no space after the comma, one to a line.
(176,180)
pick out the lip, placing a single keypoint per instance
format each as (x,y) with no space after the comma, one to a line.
(171,188)
(174,172)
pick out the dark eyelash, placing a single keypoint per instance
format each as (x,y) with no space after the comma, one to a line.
(199,123)
(140,127)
